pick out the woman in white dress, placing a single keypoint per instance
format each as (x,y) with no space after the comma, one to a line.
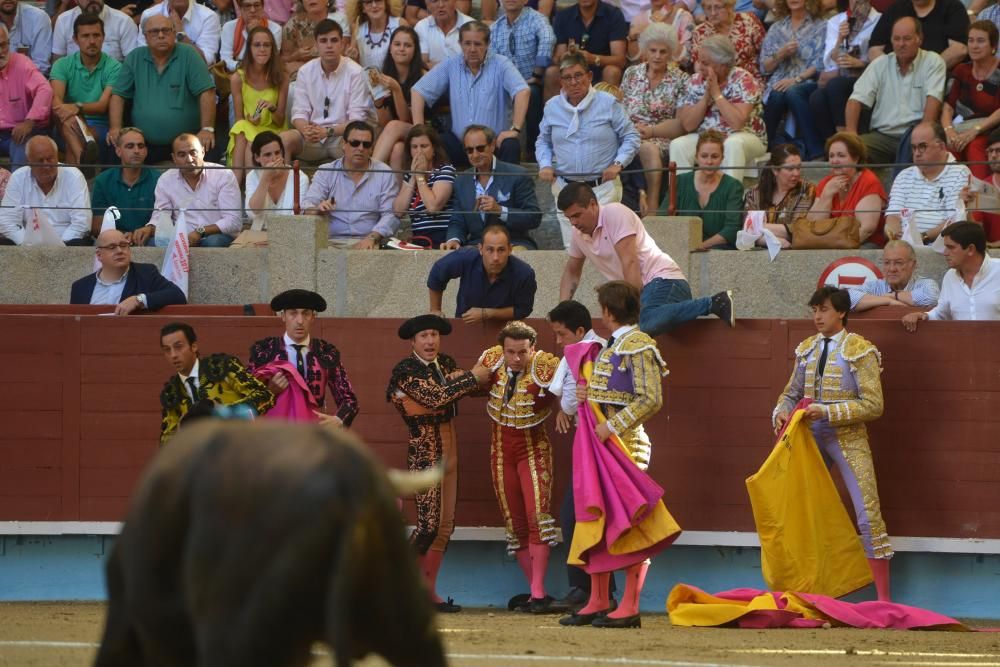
(373,21)
(271,188)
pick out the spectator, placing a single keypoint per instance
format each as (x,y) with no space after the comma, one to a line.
(665,294)
(587,135)
(482,89)
(781,193)
(930,188)
(595,30)
(970,289)
(744,31)
(987,214)
(975,97)
(4,178)
(426,190)
(171,90)
(651,91)
(414,10)
(901,90)
(439,31)
(493,284)
(28,100)
(260,97)
(525,37)
(120,32)
(236,34)
(376,21)
(991,13)
(280,11)
(210,197)
(944,28)
(402,69)
(271,186)
(120,282)
(130,187)
(489,8)
(491,193)
(193,23)
(356,193)
(81,92)
(900,287)
(330,92)
(725,97)
(298,43)
(850,189)
(59,193)
(29,30)
(722,213)
(672,13)
(842,66)
(791,58)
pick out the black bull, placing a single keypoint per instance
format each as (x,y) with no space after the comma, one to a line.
(247,542)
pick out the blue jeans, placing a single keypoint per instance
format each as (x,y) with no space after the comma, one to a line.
(667,303)
(795,100)
(216,241)
(18,152)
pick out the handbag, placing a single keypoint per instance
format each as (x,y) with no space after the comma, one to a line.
(840,233)
(221,76)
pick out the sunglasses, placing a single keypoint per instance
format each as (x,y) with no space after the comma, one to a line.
(326,107)
(354,143)
(481,148)
(121,245)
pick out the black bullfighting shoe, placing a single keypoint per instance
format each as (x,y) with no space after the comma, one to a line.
(609,622)
(519,602)
(447,607)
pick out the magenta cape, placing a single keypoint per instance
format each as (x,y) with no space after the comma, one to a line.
(296,403)
(756,609)
(620,516)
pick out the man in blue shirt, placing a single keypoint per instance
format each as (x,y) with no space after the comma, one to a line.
(597,31)
(493,285)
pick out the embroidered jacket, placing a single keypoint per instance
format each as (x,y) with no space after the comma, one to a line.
(432,401)
(222,379)
(530,404)
(324,370)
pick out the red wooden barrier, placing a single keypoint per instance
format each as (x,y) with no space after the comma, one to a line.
(80,416)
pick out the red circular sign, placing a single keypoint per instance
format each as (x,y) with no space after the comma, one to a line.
(848,272)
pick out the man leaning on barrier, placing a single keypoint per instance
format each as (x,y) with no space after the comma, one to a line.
(900,287)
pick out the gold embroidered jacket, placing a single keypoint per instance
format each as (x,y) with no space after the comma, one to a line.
(531,404)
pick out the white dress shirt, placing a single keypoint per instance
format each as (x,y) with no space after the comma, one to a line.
(563,384)
(194,376)
(980,302)
(226,54)
(121,35)
(285,205)
(293,354)
(67,205)
(108,294)
(215,200)
(201,26)
(434,42)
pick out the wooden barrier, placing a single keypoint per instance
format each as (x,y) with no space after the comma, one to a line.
(80,415)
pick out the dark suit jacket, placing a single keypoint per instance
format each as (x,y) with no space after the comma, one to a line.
(142,279)
(515,190)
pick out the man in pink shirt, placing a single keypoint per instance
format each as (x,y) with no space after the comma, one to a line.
(210,197)
(26,102)
(614,239)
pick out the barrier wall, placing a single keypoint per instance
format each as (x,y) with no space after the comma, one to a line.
(392,283)
(79,408)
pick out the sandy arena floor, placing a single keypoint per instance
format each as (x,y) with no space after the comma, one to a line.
(63,634)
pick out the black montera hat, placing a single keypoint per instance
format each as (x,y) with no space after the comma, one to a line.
(298,298)
(415,325)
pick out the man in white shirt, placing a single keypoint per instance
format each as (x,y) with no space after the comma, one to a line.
(971,288)
(121,35)
(195,24)
(58,192)
(929,190)
(30,31)
(438,32)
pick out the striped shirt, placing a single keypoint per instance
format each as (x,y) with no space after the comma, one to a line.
(528,43)
(924,291)
(484,98)
(932,200)
(430,224)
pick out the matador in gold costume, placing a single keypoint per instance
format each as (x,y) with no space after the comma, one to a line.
(839,372)
(520,452)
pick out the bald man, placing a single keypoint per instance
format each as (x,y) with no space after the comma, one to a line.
(56,192)
(127,285)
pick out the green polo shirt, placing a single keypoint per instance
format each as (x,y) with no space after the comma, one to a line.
(164,104)
(82,85)
(134,201)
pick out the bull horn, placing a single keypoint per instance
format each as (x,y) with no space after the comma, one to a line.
(406,482)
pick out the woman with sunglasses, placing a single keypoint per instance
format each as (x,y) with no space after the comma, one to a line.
(401,70)
(426,190)
(374,22)
(260,94)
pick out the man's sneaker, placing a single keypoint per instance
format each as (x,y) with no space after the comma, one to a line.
(722,307)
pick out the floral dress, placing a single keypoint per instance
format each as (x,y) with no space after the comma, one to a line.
(747,36)
(741,88)
(647,106)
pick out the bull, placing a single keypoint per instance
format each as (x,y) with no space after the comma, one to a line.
(245,543)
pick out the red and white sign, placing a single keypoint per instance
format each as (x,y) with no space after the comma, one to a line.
(848,272)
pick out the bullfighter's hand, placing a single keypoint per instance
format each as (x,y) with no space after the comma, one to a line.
(564,422)
(779,422)
(482,373)
(278,383)
(581,392)
(328,420)
(603,431)
(816,411)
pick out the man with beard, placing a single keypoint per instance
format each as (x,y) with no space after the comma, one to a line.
(131,187)
(30,31)
(121,35)
(424,388)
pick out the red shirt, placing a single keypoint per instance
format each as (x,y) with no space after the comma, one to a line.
(866,184)
(963,89)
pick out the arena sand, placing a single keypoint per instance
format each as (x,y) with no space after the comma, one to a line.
(65,634)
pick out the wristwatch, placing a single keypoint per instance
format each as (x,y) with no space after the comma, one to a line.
(597,61)
(141,298)
(515,128)
(181,36)
(79,107)
(201,231)
(617,163)
(208,129)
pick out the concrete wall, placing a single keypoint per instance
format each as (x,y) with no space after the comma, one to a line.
(392,283)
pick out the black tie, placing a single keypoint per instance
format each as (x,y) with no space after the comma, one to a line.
(511,386)
(611,341)
(194,389)
(822,357)
(300,361)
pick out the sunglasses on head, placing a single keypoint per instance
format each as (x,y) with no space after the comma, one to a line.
(481,148)
(354,143)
